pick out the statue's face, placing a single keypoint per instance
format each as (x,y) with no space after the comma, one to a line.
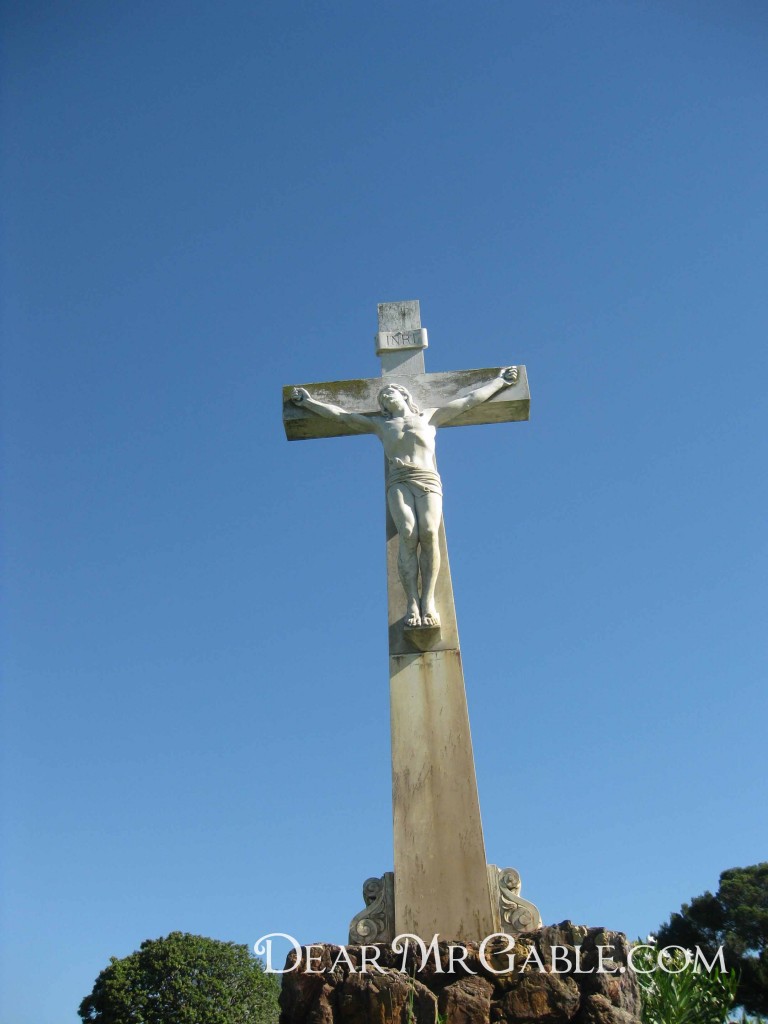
(393,401)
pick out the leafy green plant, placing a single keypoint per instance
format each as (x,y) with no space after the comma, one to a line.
(736,918)
(684,993)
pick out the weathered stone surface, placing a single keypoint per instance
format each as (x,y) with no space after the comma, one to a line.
(599,1010)
(466,1001)
(441,878)
(382,999)
(544,998)
(565,989)
(308,996)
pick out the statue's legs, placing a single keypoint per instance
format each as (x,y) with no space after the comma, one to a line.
(402,508)
(429,513)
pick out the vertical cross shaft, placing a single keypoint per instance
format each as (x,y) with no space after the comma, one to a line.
(441,877)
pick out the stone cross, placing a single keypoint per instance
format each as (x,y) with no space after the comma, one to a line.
(441,882)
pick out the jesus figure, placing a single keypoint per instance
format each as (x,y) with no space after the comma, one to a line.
(414,490)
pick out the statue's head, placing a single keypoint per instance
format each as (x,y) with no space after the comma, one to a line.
(393,396)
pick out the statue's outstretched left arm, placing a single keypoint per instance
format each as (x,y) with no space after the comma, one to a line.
(451,410)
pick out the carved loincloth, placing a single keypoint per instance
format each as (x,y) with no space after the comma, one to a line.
(418,481)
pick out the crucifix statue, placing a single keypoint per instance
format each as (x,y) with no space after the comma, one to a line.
(414,489)
(441,883)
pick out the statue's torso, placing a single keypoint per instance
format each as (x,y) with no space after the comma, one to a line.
(411,440)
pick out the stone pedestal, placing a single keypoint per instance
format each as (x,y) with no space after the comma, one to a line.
(563,986)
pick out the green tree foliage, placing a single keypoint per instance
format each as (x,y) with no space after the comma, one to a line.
(183,979)
(682,992)
(735,918)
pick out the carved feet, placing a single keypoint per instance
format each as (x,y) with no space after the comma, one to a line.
(412,618)
(427,617)
(422,630)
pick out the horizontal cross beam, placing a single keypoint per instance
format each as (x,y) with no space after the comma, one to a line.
(429,390)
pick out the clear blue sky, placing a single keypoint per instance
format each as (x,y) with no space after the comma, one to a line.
(204,201)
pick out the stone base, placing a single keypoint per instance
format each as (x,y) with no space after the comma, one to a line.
(406,991)
(376,922)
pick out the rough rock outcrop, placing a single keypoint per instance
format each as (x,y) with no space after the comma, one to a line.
(563,974)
